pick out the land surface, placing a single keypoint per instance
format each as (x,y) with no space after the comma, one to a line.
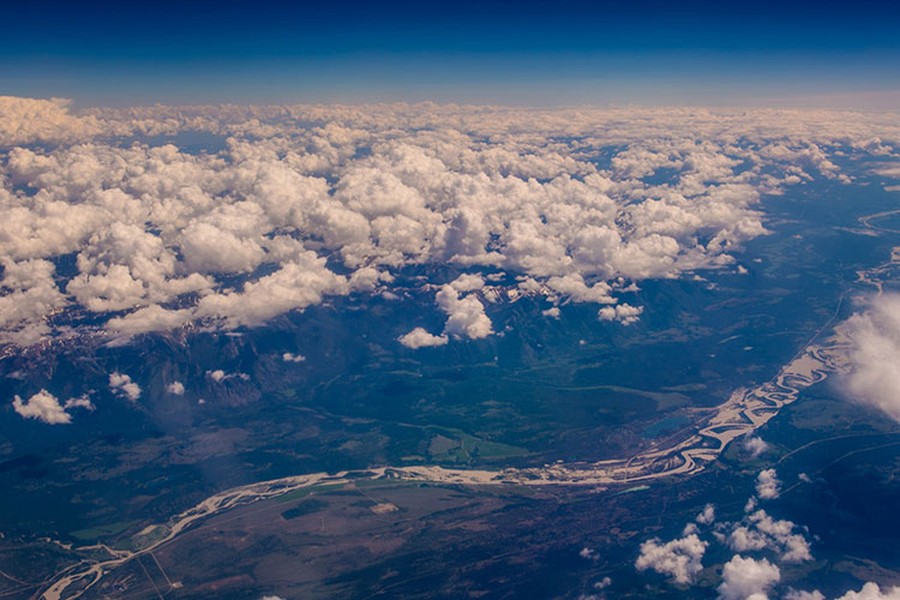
(474,470)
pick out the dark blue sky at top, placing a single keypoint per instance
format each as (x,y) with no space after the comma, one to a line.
(522,52)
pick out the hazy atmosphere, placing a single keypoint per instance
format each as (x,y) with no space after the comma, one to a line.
(523,53)
(450,300)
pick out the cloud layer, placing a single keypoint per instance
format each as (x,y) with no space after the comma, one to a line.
(302,203)
(27,120)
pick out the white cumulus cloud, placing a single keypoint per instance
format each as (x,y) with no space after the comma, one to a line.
(420,338)
(760,531)
(45,407)
(754,445)
(874,355)
(465,315)
(872,591)
(804,595)
(624,313)
(707,515)
(175,388)
(747,579)
(768,485)
(29,120)
(679,559)
(121,384)
(869,591)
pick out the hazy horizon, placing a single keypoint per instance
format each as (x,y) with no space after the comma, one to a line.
(526,53)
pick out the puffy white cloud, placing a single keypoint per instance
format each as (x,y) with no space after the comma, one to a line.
(367,278)
(869,591)
(148,319)
(754,445)
(804,595)
(553,312)
(80,402)
(296,285)
(679,559)
(468,282)
(744,538)
(760,531)
(588,554)
(751,504)
(29,297)
(292,358)
(874,354)
(420,338)
(573,287)
(29,120)
(465,315)
(747,579)
(768,485)
(124,266)
(45,407)
(115,289)
(207,248)
(176,388)
(121,384)
(42,227)
(603,583)
(872,591)
(624,313)
(707,515)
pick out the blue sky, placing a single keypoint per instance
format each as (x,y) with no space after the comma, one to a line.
(543,53)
